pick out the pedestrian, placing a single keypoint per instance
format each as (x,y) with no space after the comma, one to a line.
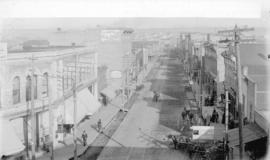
(217,117)
(190,116)
(231,124)
(184,114)
(245,121)
(154,96)
(208,119)
(99,125)
(214,116)
(204,121)
(104,100)
(84,138)
(174,142)
(158,95)
(223,119)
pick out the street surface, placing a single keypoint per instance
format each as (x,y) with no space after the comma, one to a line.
(143,132)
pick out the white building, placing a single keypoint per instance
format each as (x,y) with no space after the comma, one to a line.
(54,75)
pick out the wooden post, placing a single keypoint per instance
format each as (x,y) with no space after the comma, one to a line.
(33,118)
(239,93)
(51,119)
(25,133)
(201,84)
(226,119)
(236,39)
(75,110)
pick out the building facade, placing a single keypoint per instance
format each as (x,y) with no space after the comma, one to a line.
(55,71)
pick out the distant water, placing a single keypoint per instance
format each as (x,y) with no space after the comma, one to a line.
(82,37)
(79,37)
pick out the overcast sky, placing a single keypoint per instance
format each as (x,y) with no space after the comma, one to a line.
(225,13)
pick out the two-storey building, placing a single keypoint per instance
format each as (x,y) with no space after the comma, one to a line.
(57,71)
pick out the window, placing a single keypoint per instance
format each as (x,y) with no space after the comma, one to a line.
(45,85)
(16,90)
(35,86)
(28,88)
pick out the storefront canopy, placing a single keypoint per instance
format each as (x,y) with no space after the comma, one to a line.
(203,132)
(9,142)
(251,132)
(87,105)
(213,132)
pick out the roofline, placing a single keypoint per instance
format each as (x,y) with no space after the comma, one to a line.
(49,54)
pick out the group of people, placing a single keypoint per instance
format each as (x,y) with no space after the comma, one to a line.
(187,115)
(209,101)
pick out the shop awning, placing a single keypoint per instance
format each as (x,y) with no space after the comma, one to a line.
(9,142)
(87,105)
(251,132)
(203,132)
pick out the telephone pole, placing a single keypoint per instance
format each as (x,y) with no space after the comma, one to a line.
(226,120)
(51,118)
(236,40)
(201,83)
(75,110)
(33,118)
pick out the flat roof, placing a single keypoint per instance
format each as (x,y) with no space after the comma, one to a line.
(44,49)
(50,53)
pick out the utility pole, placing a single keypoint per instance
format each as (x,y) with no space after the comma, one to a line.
(75,110)
(236,40)
(226,120)
(201,83)
(51,118)
(33,120)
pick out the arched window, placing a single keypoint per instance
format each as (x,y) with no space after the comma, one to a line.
(28,88)
(35,86)
(16,90)
(45,85)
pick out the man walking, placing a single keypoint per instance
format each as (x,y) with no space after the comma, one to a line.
(99,125)
(184,114)
(175,142)
(84,138)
